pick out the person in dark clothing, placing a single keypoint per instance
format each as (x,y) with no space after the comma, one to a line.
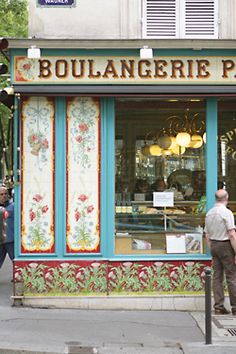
(7,245)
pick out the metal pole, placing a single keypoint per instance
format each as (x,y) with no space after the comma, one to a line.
(208,334)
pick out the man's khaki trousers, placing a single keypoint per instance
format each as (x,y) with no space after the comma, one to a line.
(223,262)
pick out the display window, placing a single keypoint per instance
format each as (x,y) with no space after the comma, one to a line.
(227,149)
(160,169)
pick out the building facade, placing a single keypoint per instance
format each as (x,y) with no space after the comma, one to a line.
(132,19)
(118,156)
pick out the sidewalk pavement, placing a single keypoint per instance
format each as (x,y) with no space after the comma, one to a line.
(54,331)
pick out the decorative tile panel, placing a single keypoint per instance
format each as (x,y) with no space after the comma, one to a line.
(83,175)
(75,277)
(37,164)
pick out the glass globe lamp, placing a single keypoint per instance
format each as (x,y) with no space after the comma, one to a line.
(166,152)
(183,139)
(196,141)
(145,150)
(204,138)
(164,142)
(155,150)
(173,143)
(179,150)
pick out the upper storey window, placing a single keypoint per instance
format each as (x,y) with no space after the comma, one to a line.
(180,19)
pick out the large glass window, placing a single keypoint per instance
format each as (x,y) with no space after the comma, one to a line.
(160,195)
(227,148)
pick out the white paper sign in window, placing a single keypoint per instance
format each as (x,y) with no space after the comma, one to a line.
(163,199)
(175,244)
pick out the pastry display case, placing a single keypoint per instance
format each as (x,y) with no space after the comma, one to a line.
(146,229)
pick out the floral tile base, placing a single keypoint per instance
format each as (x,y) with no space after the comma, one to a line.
(83,277)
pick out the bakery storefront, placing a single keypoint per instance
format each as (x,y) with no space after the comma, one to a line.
(117,160)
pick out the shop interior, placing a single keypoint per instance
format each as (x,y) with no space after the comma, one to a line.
(160,153)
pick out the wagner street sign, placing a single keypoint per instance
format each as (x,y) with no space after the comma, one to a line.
(56,2)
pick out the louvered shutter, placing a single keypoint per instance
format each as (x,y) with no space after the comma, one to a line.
(159,18)
(180,18)
(200,19)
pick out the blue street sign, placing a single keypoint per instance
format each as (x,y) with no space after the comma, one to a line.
(56,2)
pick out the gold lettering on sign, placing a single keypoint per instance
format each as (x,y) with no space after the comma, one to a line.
(177,66)
(230,135)
(91,70)
(74,68)
(228,65)
(44,68)
(190,69)
(201,68)
(61,68)
(144,73)
(127,67)
(159,68)
(110,69)
(223,138)
(120,69)
(226,138)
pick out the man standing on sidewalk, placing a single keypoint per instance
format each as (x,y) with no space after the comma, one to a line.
(221,237)
(7,247)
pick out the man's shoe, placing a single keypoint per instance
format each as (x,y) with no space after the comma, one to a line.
(222,311)
(234,312)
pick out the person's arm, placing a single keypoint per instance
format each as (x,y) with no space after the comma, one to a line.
(232,238)
(208,240)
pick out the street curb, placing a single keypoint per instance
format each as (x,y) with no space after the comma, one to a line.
(184,302)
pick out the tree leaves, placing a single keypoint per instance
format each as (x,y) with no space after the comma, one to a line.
(13,18)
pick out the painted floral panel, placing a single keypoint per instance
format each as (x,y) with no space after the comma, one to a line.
(25,69)
(83,175)
(37,193)
(74,277)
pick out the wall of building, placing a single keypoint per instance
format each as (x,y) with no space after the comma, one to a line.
(106,19)
(90,19)
(227,14)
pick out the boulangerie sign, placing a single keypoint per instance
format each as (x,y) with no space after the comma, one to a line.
(125,70)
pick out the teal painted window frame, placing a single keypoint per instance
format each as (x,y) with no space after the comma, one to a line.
(211,180)
(107,201)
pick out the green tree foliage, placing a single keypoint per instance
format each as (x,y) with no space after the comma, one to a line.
(13,24)
(13,18)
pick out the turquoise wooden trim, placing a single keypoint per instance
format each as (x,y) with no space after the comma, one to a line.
(108,175)
(161,257)
(17,200)
(125,52)
(60,176)
(12,68)
(211,151)
(130,258)
(117,258)
(46,258)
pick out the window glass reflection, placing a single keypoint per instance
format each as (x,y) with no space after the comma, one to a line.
(159,148)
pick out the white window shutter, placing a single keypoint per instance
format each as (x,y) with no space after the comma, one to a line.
(199,19)
(159,18)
